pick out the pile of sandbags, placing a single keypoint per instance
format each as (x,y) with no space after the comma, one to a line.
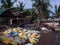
(20,36)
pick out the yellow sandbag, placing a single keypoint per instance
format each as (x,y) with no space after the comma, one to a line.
(14,43)
(32,41)
(15,30)
(21,35)
(34,36)
(5,33)
(6,41)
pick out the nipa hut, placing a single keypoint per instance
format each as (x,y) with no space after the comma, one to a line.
(13,18)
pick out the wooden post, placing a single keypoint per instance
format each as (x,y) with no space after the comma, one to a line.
(17,21)
(10,21)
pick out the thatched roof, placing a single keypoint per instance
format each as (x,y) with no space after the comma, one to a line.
(6,13)
(2,10)
(9,13)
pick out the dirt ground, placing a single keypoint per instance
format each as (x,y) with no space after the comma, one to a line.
(51,38)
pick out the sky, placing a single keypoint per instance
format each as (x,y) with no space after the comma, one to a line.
(54,2)
(28,3)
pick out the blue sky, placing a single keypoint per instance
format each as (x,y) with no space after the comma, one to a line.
(54,2)
(29,3)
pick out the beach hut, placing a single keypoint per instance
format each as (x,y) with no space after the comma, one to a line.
(7,15)
(13,18)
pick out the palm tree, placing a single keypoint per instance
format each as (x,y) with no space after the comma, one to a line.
(21,6)
(57,11)
(33,15)
(42,8)
(7,3)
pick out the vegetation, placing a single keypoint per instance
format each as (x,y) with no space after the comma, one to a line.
(7,3)
(33,15)
(21,6)
(57,11)
(40,8)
